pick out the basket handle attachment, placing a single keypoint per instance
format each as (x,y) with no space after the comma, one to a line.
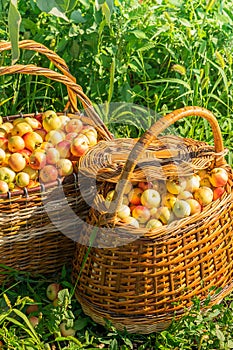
(151,135)
(73,89)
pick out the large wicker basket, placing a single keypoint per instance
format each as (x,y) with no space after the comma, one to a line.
(140,278)
(38,226)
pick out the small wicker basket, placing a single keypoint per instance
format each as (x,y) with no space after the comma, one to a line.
(140,278)
(36,234)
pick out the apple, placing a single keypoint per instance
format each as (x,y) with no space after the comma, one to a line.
(63,148)
(26,153)
(202,173)
(204,195)
(79,145)
(135,196)
(3,132)
(89,129)
(91,138)
(42,132)
(37,159)
(184,195)
(54,136)
(181,209)
(22,179)
(48,173)
(66,332)
(32,308)
(49,113)
(153,212)
(192,183)
(52,155)
(175,185)
(64,167)
(129,220)
(64,119)
(153,223)
(195,206)
(17,161)
(20,129)
(150,198)
(8,126)
(51,122)
(2,155)
(32,140)
(141,213)
(15,143)
(33,173)
(52,291)
(18,120)
(168,200)
(33,122)
(205,181)
(163,214)
(74,125)
(218,192)
(123,212)
(7,174)
(34,320)
(3,143)
(218,177)
(4,188)
(70,136)
(145,185)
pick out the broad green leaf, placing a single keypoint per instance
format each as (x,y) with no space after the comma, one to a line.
(77,17)
(52,7)
(139,34)
(14,20)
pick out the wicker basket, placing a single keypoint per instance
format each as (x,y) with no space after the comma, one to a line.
(140,278)
(38,226)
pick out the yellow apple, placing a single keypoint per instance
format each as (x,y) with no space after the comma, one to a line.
(64,167)
(20,129)
(22,179)
(7,174)
(17,161)
(32,140)
(15,143)
(4,188)
(150,198)
(204,195)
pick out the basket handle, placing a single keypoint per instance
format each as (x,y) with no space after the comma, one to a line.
(152,133)
(73,89)
(51,55)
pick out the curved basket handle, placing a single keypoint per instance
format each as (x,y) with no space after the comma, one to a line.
(73,89)
(52,56)
(152,133)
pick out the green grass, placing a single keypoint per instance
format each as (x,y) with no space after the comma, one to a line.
(156,57)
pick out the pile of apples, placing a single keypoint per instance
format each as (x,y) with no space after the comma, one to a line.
(157,203)
(41,149)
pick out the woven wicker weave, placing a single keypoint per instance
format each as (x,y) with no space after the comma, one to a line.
(137,278)
(31,239)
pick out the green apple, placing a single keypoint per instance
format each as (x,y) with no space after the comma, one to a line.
(181,209)
(7,174)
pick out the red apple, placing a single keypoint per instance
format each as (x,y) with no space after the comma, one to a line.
(141,213)
(218,177)
(63,148)
(42,132)
(79,145)
(52,155)
(37,159)
(66,332)
(135,196)
(145,185)
(34,320)
(26,153)
(70,136)
(48,173)
(32,140)
(74,125)
(32,308)
(52,291)
(218,192)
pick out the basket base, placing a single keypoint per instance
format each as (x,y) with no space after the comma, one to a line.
(144,325)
